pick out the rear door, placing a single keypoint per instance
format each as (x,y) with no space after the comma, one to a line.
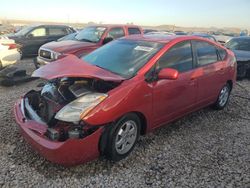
(56,32)
(172,98)
(210,72)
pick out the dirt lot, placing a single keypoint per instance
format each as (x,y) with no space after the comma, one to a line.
(205,149)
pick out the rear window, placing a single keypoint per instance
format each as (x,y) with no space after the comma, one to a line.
(134,31)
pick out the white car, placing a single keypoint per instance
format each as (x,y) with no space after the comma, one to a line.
(9,53)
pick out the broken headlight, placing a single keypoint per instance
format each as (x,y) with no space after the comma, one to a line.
(77,109)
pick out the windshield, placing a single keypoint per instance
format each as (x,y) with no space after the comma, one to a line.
(123,57)
(24,31)
(68,37)
(239,44)
(90,34)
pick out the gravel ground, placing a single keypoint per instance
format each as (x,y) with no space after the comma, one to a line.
(205,149)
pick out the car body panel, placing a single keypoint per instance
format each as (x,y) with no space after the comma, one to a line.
(71,66)
(169,101)
(68,153)
(69,46)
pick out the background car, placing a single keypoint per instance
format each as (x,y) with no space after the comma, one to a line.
(70,36)
(31,38)
(180,33)
(9,53)
(160,33)
(84,42)
(101,104)
(204,35)
(145,31)
(241,48)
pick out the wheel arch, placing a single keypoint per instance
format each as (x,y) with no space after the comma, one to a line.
(104,137)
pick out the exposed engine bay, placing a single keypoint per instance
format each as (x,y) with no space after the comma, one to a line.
(43,105)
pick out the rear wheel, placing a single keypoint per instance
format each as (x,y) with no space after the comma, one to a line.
(122,137)
(223,97)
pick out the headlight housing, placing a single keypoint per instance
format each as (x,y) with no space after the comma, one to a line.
(55,55)
(77,109)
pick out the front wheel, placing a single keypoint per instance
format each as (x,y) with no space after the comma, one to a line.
(223,97)
(122,137)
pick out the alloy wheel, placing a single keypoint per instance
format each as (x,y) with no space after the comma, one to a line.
(126,137)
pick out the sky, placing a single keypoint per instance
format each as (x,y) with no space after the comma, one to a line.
(187,13)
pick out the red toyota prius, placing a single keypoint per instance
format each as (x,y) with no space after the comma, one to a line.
(101,103)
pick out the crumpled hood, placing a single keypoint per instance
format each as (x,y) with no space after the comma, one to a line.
(72,66)
(66,46)
(242,55)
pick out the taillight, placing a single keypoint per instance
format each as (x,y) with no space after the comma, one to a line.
(11,46)
(233,61)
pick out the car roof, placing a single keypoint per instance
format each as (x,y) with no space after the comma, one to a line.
(113,25)
(201,34)
(47,25)
(242,37)
(161,38)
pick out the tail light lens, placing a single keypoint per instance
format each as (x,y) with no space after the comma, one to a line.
(11,46)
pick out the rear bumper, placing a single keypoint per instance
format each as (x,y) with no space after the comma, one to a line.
(9,57)
(68,153)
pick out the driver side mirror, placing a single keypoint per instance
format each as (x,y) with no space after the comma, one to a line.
(30,35)
(107,40)
(168,73)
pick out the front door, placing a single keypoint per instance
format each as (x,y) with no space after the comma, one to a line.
(34,40)
(172,98)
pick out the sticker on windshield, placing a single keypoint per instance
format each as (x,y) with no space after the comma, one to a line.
(144,48)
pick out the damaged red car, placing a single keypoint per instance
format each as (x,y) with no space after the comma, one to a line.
(101,104)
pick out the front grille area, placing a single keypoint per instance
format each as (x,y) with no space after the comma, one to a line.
(45,54)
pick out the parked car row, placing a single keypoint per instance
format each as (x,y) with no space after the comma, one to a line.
(109,84)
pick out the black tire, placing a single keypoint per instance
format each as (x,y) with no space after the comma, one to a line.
(111,152)
(222,101)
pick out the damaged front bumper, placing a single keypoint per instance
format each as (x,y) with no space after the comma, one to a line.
(67,153)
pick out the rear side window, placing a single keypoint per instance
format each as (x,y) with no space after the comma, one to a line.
(222,53)
(133,31)
(116,33)
(179,57)
(206,53)
(57,31)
